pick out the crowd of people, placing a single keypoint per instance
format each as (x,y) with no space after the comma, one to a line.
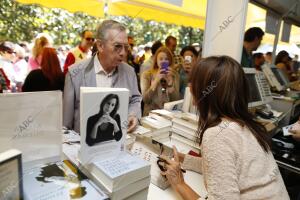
(162,74)
(241,167)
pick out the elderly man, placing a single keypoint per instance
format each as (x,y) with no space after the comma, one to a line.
(105,69)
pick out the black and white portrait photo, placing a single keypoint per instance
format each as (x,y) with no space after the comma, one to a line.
(106,124)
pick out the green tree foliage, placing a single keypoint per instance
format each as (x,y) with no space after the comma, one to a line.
(20,22)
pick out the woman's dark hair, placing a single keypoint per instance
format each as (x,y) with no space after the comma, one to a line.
(189,48)
(220,90)
(105,100)
(280,57)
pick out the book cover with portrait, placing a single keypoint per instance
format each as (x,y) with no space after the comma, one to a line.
(103,121)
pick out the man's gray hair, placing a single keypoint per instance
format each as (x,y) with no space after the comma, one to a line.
(108,25)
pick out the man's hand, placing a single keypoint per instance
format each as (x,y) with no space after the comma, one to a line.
(132,123)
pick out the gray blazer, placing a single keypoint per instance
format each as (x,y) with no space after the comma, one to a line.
(82,74)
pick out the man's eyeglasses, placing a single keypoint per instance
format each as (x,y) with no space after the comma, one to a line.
(118,47)
(90,39)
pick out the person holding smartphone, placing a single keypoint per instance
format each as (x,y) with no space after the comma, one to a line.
(160,84)
(190,55)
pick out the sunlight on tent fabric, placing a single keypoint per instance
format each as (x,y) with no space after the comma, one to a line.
(295,35)
(256,17)
(255,14)
(91,7)
(190,13)
(186,12)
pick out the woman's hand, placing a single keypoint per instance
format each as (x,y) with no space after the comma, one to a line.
(173,172)
(113,122)
(106,118)
(170,77)
(175,177)
(181,157)
(170,80)
(187,67)
(162,74)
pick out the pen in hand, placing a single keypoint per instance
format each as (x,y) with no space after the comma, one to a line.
(161,164)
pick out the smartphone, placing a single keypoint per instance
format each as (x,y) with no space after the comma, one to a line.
(165,65)
(188,59)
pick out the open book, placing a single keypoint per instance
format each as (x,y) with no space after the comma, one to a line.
(59,180)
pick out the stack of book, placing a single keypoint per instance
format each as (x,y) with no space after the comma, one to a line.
(142,131)
(185,128)
(159,126)
(129,140)
(165,113)
(123,177)
(131,183)
(103,138)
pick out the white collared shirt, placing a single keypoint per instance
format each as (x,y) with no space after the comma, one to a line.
(103,79)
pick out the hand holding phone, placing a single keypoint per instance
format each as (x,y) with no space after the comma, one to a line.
(188,59)
(165,66)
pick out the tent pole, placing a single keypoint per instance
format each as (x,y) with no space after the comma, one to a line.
(276,39)
(224,28)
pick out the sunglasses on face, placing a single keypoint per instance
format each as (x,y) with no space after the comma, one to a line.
(90,39)
(118,47)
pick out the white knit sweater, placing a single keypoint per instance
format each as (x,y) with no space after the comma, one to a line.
(234,165)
